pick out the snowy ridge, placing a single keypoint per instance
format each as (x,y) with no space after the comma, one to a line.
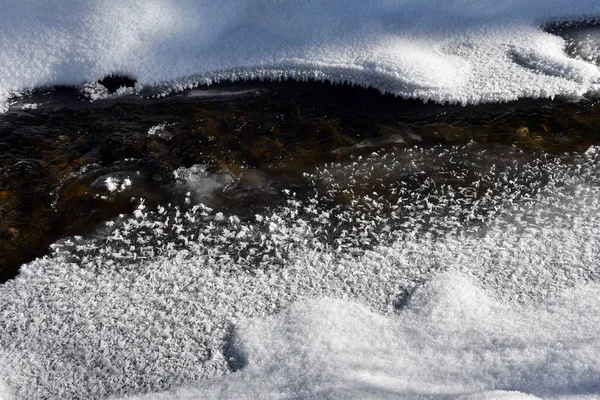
(460,51)
(473,280)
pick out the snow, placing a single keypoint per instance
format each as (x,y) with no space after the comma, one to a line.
(5,393)
(480,285)
(460,51)
(452,339)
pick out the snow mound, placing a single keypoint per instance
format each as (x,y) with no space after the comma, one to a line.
(459,51)
(475,347)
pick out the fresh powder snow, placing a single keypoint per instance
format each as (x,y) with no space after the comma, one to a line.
(461,51)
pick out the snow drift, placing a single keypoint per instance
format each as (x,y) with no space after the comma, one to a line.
(459,51)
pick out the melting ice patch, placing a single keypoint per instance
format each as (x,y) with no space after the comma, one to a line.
(201,183)
(460,51)
(443,272)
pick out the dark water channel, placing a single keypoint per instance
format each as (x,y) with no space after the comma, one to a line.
(57,150)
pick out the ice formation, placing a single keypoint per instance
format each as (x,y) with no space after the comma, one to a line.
(157,129)
(473,275)
(460,51)
(114,184)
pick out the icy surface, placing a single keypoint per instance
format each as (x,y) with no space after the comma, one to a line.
(459,51)
(442,271)
(201,183)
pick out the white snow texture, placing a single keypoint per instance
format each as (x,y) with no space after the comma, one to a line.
(483,288)
(461,51)
(452,339)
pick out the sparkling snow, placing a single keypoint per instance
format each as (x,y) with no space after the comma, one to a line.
(473,275)
(451,340)
(460,51)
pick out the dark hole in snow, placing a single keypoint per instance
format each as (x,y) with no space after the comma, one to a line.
(114,82)
(236,359)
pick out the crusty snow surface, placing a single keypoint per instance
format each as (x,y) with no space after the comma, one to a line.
(447,272)
(461,51)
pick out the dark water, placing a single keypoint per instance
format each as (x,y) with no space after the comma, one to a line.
(582,38)
(55,159)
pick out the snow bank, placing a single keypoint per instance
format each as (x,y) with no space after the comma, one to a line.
(460,51)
